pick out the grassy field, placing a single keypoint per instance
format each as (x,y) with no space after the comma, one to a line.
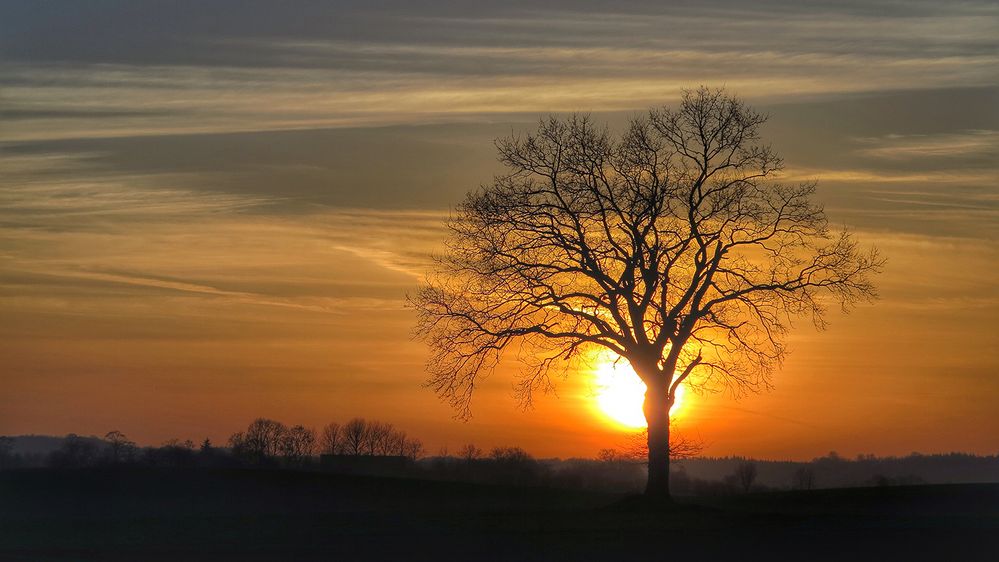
(282,515)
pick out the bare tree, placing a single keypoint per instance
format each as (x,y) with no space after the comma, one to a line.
(75,452)
(355,436)
(120,448)
(332,440)
(803,478)
(469,453)
(298,444)
(612,455)
(398,443)
(509,454)
(378,438)
(178,444)
(173,452)
(413,448)
(513,465)
(262,440)
(672,246)
(680,446)
(265,436)
(745,475)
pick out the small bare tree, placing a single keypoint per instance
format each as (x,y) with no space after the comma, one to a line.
(355,437)
(469,453)
(120,448)
(412,448)
(672,246)
(803,478)
(261,441)
(75,452)
(362,437)
(297,445)
(331,442)
(679,447)
(745,475)
(379,438)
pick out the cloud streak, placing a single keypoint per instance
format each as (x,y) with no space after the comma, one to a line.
(352,65)
(907,147)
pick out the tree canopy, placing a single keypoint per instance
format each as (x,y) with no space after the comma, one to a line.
(673,245)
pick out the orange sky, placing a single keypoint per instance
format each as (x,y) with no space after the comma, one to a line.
(161,358)
(194,234)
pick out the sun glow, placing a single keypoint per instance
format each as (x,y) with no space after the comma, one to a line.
(619,393)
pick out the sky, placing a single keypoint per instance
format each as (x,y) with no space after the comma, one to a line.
(213,211)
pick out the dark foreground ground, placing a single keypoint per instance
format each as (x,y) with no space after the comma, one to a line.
(263,515)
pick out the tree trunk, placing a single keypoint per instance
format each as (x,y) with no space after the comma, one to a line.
(656,409)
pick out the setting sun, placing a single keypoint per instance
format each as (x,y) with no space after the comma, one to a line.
(619,393)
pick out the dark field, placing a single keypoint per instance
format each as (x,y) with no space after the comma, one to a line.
(281,515)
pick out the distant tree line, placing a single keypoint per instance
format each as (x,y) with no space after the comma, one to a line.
(361,437)
(617,471)
(500,465)
(266,443)
(728,475)
(269,442)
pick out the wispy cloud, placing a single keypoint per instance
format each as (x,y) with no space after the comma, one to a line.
(945,176)
(81,239)
(904,147)
(417,65)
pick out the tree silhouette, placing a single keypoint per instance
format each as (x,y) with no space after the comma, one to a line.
(378,438)
(671,246)
(680,446)
(469,452)
(261,441)
(297,445)
(803,478)
(120,448)
(355,436)
(412,448)
(371,438)
(331,442)
(745,475)
(75,452)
